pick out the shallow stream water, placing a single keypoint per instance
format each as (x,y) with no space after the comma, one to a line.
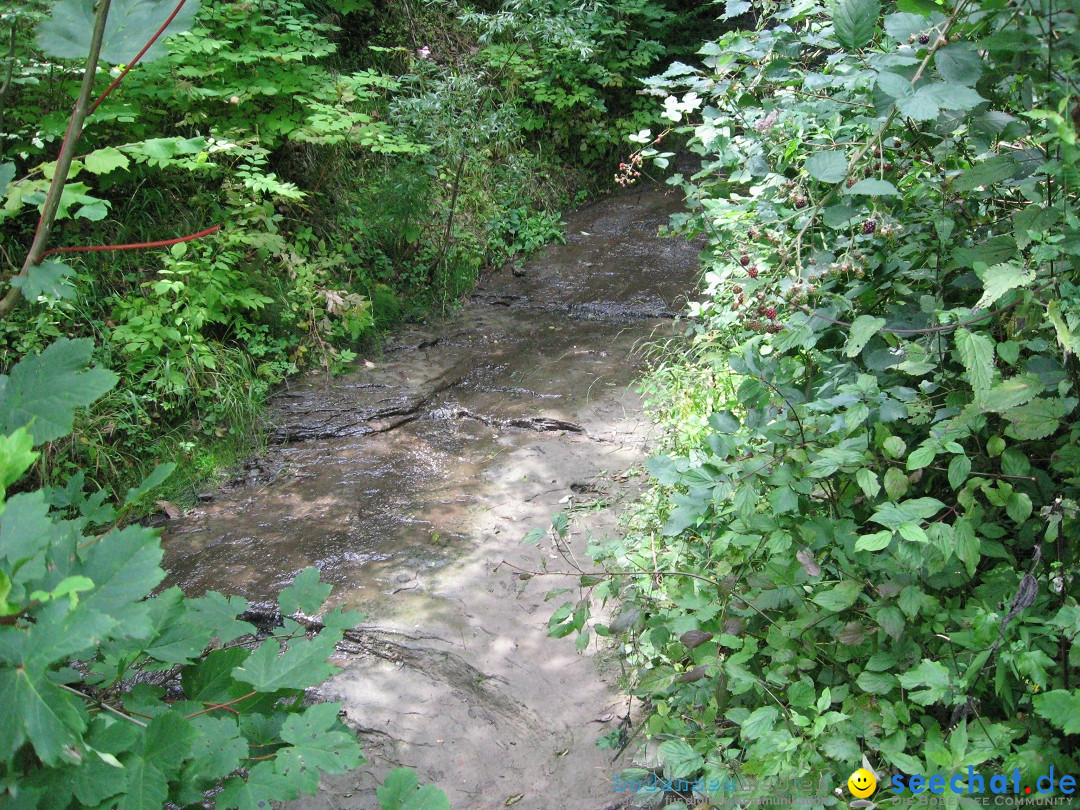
(411,479)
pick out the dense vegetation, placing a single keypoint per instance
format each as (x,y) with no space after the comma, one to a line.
(861,538)
(272,182)
(364,162)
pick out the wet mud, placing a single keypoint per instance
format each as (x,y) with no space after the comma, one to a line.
(410,482)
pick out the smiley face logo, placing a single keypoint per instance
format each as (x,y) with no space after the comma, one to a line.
(862,783)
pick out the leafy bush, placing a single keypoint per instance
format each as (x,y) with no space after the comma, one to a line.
(867,545)
(114,699)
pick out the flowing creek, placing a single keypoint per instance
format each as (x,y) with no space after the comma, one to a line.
(410,479)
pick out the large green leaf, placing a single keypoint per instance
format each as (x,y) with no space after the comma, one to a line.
(36,710)
(401,792)
(977,355)
(46,389)
(863,328)
(305,595)
(48,279)
(131,24)
(828,167)
(302,665)
(1061,707)
(854,22)
(680,760)
(125,566)
(318,743)
(262,787)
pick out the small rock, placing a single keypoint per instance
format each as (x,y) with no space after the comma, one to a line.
(404,577)
(204,497)
(518,271)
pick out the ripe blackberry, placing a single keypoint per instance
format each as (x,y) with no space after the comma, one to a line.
(869,226)
(924,39)
(800,202)
(744,260)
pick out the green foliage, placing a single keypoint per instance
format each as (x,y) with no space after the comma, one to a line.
(353,185)
(574,64)
(872,521)
(114,699)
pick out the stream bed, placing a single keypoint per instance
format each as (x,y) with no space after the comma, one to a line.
(410,482)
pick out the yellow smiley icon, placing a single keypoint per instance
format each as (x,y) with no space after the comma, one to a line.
(862,783)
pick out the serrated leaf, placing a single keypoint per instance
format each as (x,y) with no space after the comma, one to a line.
(854,22)
(401,792)
(1035,420)
(103,161)
(952,96)
(915,510)
(839,597)
(262,787)
(306,595)
(959,63)
(46,389)
(534,536)
(874,542)
(902,25)
(302,665)
(931,675)
(7,174)
(894,85)
(680,760)
(25,535)
(1012,392)
(959,470)
(868,482)
(216,752)
(977,355)
(863,328)
(49,279)
(998,279)
(131,24)
(17,454)
(989,171)
(37,711)
(828,167)
(760,721)
(125,565)
(922,105)
(318,743)
(876,683)
(1018,507)
(873,187)
(1061,707)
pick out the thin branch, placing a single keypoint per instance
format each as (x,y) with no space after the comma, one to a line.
(134,245)
(138,56)
(63,161)
(102,704)
(7,74)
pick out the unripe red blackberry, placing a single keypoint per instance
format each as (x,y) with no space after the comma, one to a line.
(762,310)
(736,289)
(800,202)
(752,272)
(773,328)
(744,260)
(770,313)
(755,325)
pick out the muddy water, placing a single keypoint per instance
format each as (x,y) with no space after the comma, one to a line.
(410,480)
